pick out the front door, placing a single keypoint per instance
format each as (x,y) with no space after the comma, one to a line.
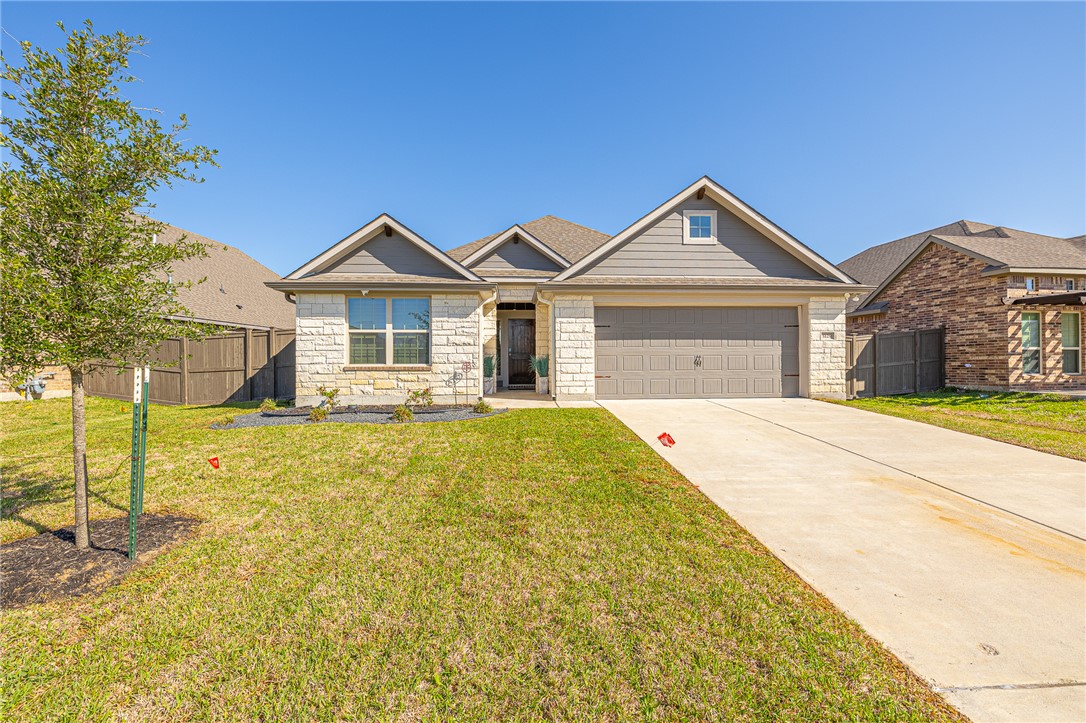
(521,348)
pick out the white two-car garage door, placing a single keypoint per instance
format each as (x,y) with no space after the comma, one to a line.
(697,352)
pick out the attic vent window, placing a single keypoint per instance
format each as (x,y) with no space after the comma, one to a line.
(699,227)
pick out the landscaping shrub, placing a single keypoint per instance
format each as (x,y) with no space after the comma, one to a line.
(318,414)
(419,398)
(482,407)
(268,404)
(402,413)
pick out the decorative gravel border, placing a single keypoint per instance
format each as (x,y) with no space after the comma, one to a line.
(257,419)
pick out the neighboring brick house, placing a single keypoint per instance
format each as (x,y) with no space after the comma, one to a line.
(1011,303)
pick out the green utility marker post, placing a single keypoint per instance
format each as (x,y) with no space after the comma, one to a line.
(143,434)
(139,427)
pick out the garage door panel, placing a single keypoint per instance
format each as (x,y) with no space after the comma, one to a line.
(663,352)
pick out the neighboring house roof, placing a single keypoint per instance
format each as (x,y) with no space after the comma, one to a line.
(571,241)
(1004,249)
(234,292)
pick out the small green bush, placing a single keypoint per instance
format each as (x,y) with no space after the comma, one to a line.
(267,405)
(419,398)
(488,366)
(222,421)
(329,395)
(482,407)
(402,414)
(318,414)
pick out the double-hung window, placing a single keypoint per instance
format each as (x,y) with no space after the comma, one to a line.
(388,331)
(1031,342)
(699,227)
(1072,342)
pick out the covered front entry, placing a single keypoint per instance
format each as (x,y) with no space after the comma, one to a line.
(516,345)
(696,352)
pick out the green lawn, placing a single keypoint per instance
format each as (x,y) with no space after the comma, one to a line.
(1045,422)
(540,564)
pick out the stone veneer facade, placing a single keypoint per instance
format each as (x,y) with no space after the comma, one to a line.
(826,347)
(321,354)
(945,288)
(574,370)
(462,328)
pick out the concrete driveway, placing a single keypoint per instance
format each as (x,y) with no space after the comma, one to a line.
(966,557)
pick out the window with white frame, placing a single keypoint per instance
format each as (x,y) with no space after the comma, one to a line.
(699,227)
(1071,327)
(1069,284)
(1032,283)
(1031,342)
(388,331)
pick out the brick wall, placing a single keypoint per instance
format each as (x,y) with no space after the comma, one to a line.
(59,386)
(945,288)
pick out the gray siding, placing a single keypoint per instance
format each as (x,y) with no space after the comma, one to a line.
(739,251)
(392,255)
(517,256)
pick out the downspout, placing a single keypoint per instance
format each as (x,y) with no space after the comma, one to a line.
(482,344)
(550,346)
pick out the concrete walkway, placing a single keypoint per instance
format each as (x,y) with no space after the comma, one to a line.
(964,556)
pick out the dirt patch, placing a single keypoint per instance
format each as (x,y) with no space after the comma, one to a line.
(49,567)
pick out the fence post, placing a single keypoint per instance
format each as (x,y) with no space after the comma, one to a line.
(875,363)
(248,364)
(916,360)
(184,370)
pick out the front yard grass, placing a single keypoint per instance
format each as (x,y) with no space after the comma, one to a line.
(1045,422)
(541,564)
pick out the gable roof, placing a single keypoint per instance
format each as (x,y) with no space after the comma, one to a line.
(234,292)
(729,201)
(571,241)
(1004,249)
(514,232)
(354,241)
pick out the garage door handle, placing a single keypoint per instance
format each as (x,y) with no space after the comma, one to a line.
(603,376)
(790,375)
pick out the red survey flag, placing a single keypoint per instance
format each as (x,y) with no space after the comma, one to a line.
(667,440)
(214,462)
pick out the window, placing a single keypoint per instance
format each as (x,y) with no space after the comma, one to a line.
(1031,342)
(381,330)
(1072,344)
(1032,283)
(699,227)
(1069,284)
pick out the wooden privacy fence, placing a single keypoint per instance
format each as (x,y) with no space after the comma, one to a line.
(895,362)
(235,366)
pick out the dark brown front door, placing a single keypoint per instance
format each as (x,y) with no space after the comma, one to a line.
(521,347)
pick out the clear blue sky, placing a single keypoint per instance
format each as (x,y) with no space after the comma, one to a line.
(847,124)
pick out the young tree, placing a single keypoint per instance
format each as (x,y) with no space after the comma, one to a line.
(84,279)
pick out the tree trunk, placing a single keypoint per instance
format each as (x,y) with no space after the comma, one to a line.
(79,457)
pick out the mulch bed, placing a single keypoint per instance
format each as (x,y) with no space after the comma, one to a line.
(366,409)
(49,567)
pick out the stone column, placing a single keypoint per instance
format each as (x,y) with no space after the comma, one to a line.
(574,365)
(826,358)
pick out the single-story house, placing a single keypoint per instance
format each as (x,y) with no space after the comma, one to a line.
(700,297)
(1010,302)
(233,295)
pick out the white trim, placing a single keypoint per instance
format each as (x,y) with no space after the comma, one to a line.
(1020,270)
(722,196)
(369,232)
(710,240)
(515,230)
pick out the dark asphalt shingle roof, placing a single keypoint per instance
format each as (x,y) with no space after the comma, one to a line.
(571,240)
(234,292)
(1005,246)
